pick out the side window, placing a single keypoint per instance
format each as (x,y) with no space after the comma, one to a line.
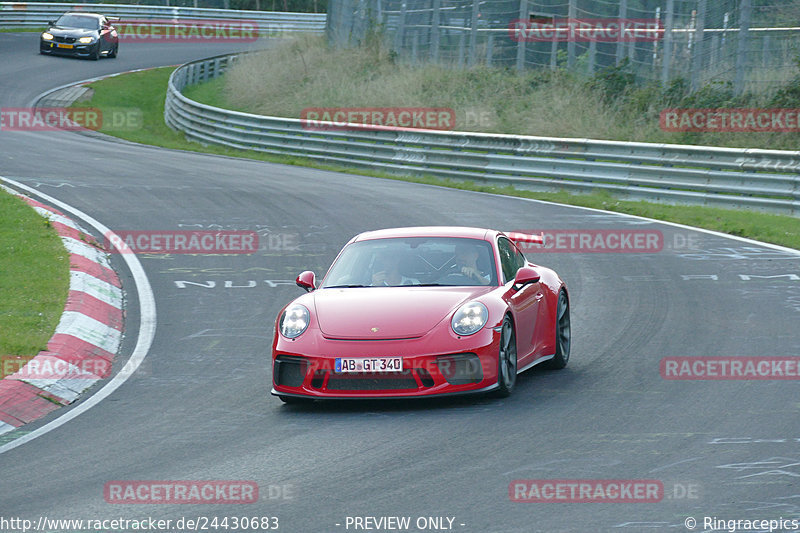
(511,259)
(507,259)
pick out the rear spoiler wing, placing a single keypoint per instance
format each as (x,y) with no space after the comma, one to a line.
(527,238)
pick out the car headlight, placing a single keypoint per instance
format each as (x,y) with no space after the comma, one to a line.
(470,318)
(47,36)
(294,321)
(86,40)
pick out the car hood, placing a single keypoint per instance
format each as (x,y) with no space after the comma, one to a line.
(71,32)
(387,312)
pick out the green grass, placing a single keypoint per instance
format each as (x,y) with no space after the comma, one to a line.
(34,278)
(147,90)
(305,72)
(23,28)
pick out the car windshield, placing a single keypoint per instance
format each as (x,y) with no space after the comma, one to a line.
(415,261)
(78,21)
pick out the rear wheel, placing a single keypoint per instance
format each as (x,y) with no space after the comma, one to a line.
(563,333)
(507,359)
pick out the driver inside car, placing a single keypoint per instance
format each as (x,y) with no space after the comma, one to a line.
(466,258)
(386,272)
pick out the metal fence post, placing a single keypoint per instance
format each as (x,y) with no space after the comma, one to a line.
(623,13)
(523,16)
(666,57)
(489,48)
(473,36)
(434,35)
(401,26)
(697,49)
(745,9)
(572,11)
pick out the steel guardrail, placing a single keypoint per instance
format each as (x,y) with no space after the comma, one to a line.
(33,14)
(723,177)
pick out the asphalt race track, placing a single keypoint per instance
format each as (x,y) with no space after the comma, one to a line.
(199,406)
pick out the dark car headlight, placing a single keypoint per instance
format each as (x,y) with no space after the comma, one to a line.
(470,318)
(294,321)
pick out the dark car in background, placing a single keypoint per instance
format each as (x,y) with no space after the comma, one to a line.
(82,35)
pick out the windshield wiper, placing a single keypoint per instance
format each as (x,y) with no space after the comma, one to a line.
(343,286)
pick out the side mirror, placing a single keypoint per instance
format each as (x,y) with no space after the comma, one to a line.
(307,281)
(526,275)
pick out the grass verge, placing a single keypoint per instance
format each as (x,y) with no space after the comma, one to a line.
(147,90)
(35,278)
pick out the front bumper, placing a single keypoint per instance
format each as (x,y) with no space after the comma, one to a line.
(79,50)
(457,366)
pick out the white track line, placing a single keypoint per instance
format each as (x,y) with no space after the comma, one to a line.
(147,325)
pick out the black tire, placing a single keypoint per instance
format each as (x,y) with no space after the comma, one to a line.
(563,333)
(113,51)
(507,359)
(95,54)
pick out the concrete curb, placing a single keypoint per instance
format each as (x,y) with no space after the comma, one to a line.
(87,338)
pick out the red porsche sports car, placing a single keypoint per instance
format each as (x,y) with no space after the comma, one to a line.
(413,312)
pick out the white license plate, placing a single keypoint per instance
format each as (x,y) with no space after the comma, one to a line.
(368,364)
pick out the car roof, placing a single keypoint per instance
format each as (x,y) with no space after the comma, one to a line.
(428,231)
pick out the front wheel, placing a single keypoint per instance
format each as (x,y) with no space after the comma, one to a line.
(95,53)
(563,333)
(507,359)
(113,51)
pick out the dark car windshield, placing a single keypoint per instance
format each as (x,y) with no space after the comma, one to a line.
(78,21)
(414,261)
